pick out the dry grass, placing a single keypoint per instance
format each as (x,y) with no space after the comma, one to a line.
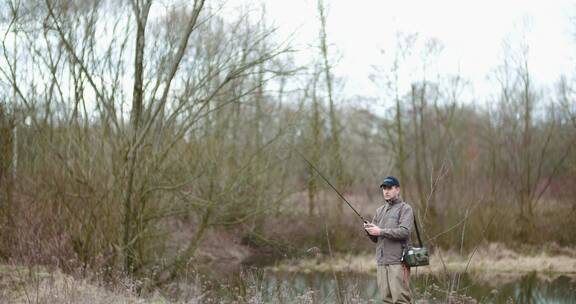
(19,284)
(38,285)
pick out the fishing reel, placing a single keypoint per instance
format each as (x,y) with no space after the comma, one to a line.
(373,238)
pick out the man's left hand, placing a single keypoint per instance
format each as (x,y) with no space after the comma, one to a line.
(372,229)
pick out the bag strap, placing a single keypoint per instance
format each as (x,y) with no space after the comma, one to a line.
(415,223)
(417,231)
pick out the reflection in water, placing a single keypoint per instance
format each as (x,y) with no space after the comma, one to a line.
(527,289)
(530,289)
(456,288)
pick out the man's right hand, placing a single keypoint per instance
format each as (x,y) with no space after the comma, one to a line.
(373,238)
(372,229)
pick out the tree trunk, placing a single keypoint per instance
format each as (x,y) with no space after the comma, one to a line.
(336,164)
(128,196)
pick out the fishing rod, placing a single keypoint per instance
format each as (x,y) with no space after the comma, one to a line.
(328,182)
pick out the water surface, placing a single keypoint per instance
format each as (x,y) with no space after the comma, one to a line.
(321,287)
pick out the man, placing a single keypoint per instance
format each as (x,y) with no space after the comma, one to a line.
(391,229)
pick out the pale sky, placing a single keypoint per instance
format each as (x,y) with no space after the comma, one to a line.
(362,35)
(472,33)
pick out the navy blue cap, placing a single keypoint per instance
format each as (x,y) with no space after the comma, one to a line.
(390,181)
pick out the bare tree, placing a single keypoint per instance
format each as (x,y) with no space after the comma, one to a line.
(527,140)
(336,165)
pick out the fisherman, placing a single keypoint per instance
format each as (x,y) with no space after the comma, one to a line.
(390,229)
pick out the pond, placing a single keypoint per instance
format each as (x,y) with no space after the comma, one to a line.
(263,286)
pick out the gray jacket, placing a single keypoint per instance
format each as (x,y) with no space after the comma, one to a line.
(396,219)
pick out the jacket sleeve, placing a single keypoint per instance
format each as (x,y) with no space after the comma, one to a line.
(404,228)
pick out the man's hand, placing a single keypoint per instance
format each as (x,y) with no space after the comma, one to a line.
(372,229)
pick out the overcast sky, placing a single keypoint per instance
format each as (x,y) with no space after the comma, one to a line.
(472,34)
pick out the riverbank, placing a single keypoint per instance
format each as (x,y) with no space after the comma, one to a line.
(490,262)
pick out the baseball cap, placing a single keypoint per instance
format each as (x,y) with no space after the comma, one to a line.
(390,181)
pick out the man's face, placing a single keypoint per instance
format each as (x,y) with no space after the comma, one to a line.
(390,192)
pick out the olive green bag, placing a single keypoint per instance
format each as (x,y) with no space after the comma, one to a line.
(416,256)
